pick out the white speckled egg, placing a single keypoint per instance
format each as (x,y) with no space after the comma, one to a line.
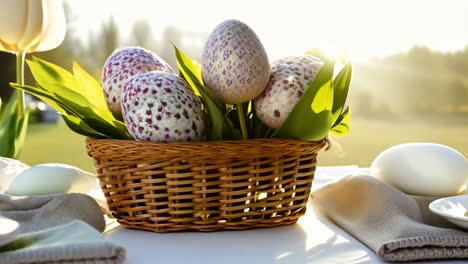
(235,65)
(159,106)
(422,169)
(290,79)
(51,178)
(124,63)
(9,169)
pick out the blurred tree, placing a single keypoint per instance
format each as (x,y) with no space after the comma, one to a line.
(418,82)
(110,38)
(458,95)
(361,102)
(7,75)
(101,44)
(165,48)
(141,35)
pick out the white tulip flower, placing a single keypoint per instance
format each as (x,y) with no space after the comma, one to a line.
(25,26)
(31,25)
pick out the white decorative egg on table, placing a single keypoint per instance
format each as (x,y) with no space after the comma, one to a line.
(425,169)
(51,178)
(9,169)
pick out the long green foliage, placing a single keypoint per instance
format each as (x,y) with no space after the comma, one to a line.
(12,128)
(79,98)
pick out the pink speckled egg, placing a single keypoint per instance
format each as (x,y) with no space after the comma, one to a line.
(159,106)
(121,65)
(290,77)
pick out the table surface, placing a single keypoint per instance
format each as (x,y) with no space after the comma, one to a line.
(313,239)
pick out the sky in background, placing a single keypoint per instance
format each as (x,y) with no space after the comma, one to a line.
(359,28)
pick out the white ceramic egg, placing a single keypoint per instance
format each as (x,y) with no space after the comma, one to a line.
(9,169)
(422,169)
(51,178)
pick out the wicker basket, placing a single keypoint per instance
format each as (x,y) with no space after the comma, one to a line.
(205,186)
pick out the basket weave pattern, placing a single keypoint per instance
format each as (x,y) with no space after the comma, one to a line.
(205,186)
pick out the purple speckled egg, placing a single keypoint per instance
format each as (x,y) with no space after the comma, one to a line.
(235,65)
(159,106)
(121,65)
(290,78)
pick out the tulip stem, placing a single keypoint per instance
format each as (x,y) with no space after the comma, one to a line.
(20,56)
(240,112)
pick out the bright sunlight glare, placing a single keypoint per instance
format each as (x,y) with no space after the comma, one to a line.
(7,226)
(360,29)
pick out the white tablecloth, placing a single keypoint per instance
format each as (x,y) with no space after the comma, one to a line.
(314,239)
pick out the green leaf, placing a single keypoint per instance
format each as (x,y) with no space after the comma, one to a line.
(70,103)
(8,128)
(344,121)
(44,96)
(46,73)
(12,129)
(311,118)
(79,126)
(217,126)
(196,69)
(89,112)
(192,74)
(21,129)
(79,87)
(91,89)
(319,54)
(340,89)
(76,98)
(93,118)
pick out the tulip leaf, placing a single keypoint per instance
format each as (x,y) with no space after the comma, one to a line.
(94,119)
(319,54)
(43,95)
(21,128)
(80,100)
(46,73)
(78,97)
(8,128)
(311,118)
(77,125)
(80,87)
(12,129)
(343,122)
(340,89)
(217,125)
(91,89)
(192,73)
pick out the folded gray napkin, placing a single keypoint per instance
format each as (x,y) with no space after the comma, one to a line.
(389,222)
(62,228)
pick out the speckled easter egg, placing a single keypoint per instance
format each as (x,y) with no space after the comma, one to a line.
(290,78)
(234,64)
(121,65)
(159,106)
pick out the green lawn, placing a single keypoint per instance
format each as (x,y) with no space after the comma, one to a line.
(55,143)
(369,137)
(48,143)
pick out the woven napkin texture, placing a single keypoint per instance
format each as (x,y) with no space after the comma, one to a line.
(398,227)
(61,228)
